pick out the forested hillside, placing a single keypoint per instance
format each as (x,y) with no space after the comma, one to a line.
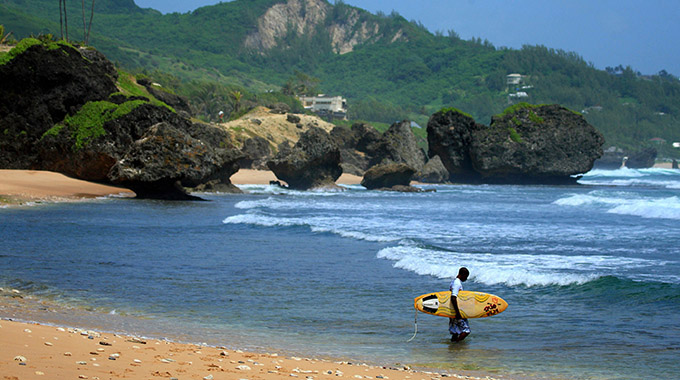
(387,68)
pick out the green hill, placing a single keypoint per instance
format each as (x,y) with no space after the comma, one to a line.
(387,68)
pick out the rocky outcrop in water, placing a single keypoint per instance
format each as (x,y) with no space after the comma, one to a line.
(526,144)
(398,145)
(390,177)
(363,147)
(433,171)
(313,162)
(68,116)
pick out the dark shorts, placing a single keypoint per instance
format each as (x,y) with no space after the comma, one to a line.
(458,326)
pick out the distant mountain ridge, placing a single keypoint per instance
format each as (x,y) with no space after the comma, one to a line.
(387,67)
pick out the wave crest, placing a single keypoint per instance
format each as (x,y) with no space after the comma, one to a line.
(511,270)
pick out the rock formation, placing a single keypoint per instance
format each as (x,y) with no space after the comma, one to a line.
(180,104)
(526,144)
(257,152)
(314,162)
(362,147)
(398,145)
(68,116)
(41,85)
(390,177)
(307,17)
(433,171)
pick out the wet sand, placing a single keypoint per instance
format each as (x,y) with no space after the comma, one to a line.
(35,351)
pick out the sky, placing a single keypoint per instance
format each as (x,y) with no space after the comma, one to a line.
(643,34)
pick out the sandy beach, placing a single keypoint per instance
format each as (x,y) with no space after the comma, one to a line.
(19,187)
(24,186)
(34,351)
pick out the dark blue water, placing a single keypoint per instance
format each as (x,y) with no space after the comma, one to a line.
(591,272)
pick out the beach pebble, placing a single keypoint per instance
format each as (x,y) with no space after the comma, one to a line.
(209,377)
(243,367)
(105,343)
(20,358)
(39,373)
(61,329)
(100,349)
(67,354)
(82,377)
(115,355)
(224,353)
(81,363)
(27,331)
(137,361)
(48,344)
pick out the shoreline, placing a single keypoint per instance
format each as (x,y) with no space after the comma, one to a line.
(30,187)
(53,348)
(27,187)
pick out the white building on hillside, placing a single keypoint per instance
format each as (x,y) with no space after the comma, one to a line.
(326,106)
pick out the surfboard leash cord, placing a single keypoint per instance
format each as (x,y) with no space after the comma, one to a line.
(415,324)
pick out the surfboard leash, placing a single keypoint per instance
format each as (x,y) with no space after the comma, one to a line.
(415,324)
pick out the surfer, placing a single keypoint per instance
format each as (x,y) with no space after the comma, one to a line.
(458,327)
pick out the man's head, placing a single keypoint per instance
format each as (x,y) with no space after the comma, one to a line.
(463,274)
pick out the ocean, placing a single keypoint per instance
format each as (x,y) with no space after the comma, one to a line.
(591,272)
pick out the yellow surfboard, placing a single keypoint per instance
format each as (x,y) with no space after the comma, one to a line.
(470,304)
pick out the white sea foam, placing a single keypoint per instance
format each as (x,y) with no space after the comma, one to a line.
(278,190)
(665,208)
(511,269)
(355,228)
(653,177)
(305,203)
(625,204)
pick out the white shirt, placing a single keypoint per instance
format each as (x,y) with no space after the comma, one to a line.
(455,287)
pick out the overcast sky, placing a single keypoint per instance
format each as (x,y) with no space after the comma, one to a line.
(641,33)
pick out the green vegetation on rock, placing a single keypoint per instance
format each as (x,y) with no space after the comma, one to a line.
(514,135)
(455,110)
(88,123)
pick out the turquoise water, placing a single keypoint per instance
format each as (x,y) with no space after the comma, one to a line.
(591,272)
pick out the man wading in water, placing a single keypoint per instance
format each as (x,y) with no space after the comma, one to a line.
(458,327)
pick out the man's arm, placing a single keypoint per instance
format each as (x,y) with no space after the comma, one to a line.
(454,302)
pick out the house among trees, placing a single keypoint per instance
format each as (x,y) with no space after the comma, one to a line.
(328,107)
(514,79)
(514,84)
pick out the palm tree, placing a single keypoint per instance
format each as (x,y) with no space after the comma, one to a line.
(235,98)
(4,37)
(86,27)
(64,23)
